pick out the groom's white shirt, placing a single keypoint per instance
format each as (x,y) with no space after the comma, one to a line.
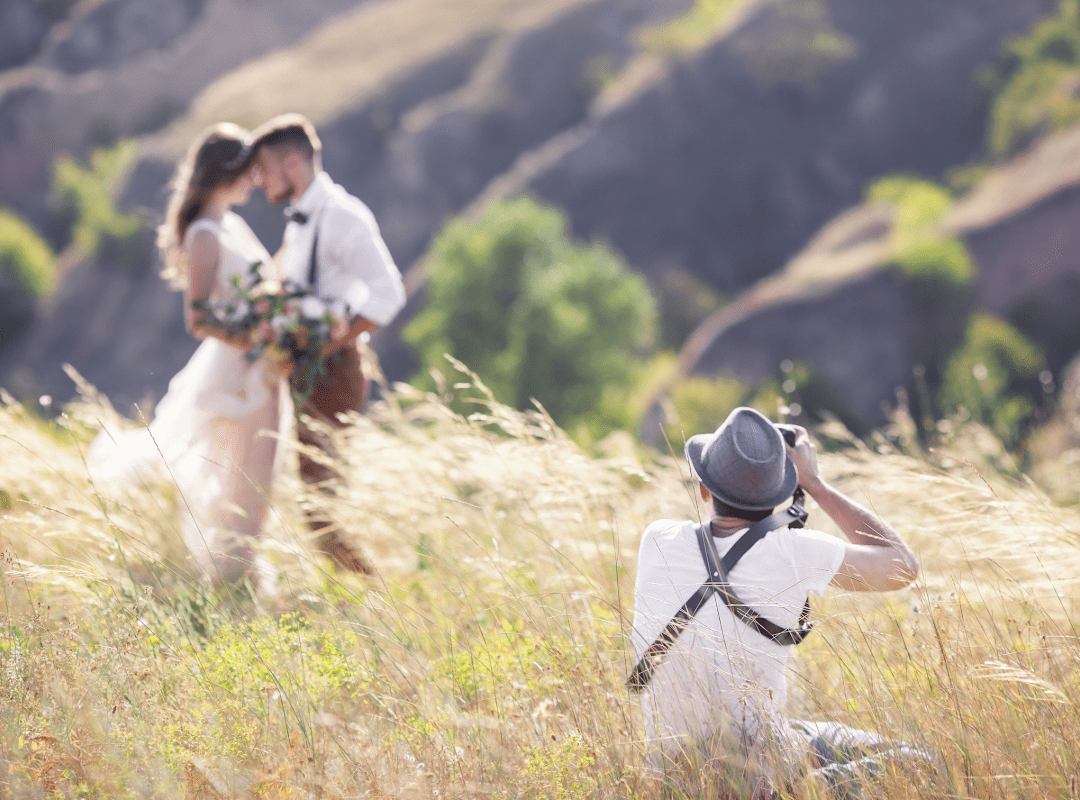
(354,265)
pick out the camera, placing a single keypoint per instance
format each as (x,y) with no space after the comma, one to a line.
(789,432)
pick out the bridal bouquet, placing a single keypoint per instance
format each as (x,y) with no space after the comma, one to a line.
(287,323)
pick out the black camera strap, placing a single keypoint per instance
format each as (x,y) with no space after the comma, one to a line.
(794,516)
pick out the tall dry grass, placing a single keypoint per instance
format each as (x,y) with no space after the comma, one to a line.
(488,657)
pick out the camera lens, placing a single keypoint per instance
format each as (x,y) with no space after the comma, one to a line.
(788,433)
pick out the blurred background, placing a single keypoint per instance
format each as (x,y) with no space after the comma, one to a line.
(638,213)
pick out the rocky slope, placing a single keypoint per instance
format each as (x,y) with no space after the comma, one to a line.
(839,307)
(731,160)
(723,162)
(116,68)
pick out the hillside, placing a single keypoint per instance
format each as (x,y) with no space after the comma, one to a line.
(730,160)
(1018,224)
(417,131)
(487,659)
(103,71)
(720,162)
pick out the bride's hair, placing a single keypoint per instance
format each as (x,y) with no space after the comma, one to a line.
(220,155)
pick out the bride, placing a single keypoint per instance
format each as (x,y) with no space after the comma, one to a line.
(216,432)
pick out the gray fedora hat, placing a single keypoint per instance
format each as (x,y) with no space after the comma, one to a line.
(745,462)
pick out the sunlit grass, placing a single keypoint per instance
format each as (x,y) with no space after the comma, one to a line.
(488,657)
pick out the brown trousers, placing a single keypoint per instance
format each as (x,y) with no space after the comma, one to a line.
(342,387)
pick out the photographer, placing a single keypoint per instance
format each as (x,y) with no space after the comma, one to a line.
(720,605)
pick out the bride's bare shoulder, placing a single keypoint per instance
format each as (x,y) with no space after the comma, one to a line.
(201,245)
(201,228)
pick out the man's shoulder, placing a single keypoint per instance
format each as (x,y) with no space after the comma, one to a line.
(811,547)
(808,535)
(665,531)
(340,203)
(662,526)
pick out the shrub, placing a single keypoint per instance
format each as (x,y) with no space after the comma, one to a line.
(919,204)
(699,404)
(937,263)
(940,264)
(86,194)
(993,376)
(691,29)
(536,316)
(25,256)
(1037,93)
(1040,99)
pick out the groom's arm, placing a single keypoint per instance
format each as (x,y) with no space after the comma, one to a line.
(359,267)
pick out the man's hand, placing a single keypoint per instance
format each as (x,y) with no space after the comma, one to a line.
(877,559)
(342,336)
(804,456)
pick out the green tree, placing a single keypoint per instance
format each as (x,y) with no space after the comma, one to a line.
(993,376)
(24,256)
(537,316)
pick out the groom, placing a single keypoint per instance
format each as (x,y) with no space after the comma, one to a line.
(331,245)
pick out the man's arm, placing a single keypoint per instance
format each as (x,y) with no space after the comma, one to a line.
(877,558)
(358,269)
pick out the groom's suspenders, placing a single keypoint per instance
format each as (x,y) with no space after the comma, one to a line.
(718,568)
(313,268)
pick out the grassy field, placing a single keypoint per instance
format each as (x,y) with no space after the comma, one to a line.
(487,659)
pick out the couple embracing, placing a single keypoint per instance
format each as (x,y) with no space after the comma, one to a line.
(218,430)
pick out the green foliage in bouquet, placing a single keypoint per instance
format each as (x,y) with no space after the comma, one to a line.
(286,322)
(537,316)
(993,376)
(24,256)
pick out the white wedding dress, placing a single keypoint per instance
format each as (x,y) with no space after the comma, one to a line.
(215,434)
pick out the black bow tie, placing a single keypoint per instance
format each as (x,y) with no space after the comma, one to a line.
(295,215)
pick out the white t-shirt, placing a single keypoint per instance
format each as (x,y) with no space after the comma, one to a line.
(354,266)
(721,675)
